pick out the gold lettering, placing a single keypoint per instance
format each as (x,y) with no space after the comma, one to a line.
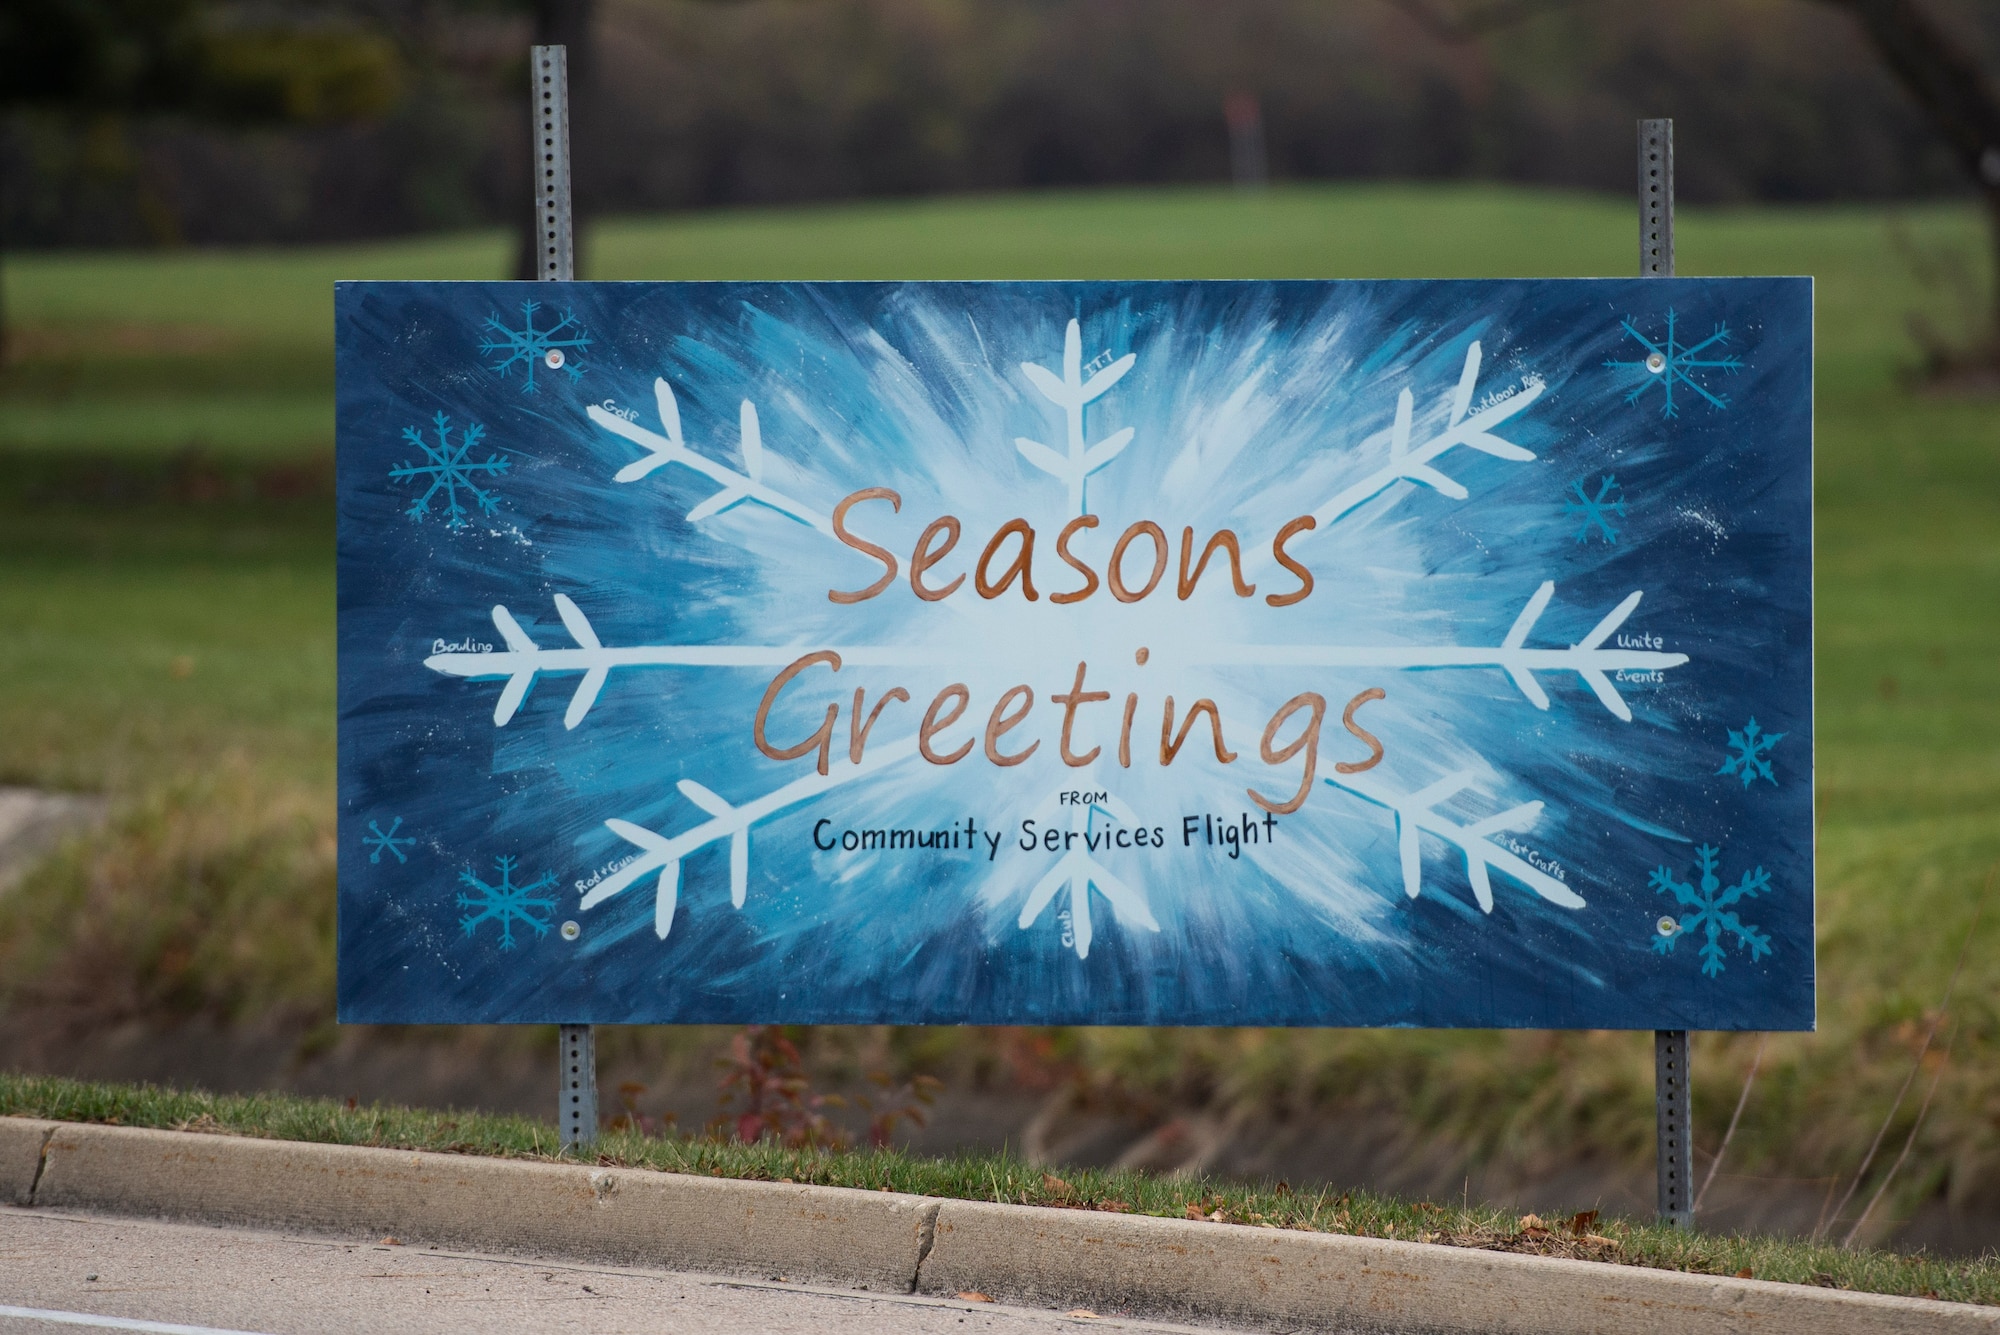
(1347,721)
(864,546)
(933,725)
(923,558)
(1308,741)
(1023,563)
(822,736)
(1069,531)
(999,722)
(1303,524)
(1224,539)
(1170,746)
(1114,572)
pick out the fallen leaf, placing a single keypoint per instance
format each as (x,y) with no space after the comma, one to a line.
(1579,1224)
(974,1296)
(1052,1183)
(1599,1240)
(1746,1273)
(1082,1314)
(1529,1221)
(392,1242)
(1194,1212)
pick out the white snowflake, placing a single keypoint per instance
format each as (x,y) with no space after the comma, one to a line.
(1078,871)
(449,469)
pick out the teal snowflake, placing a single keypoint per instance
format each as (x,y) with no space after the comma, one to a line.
(507,903)
(385,841)
(449,468)
(1711,903)
(555,348)
(1595,510)
(1751,746)
(1669,362)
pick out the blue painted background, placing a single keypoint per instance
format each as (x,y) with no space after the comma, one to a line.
(1674,849)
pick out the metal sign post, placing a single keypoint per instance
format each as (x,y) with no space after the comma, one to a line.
(555,245)
(1670,1046)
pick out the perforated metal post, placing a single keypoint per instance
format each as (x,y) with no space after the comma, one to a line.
(555,261)
(1656,199)
(1676,1117)
(1671,1067)
(555,258)
(577,1109)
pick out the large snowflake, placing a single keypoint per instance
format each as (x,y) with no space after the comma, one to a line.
(1712,915)
(1669,362)
(1752,747)
(555,348)
(1405,457)
(449,468)
(505,903)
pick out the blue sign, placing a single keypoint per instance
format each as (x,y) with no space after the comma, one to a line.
(1315,653)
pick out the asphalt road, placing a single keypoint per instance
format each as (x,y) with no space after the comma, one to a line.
(65,1273)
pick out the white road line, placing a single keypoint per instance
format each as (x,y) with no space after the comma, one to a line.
(113,1322)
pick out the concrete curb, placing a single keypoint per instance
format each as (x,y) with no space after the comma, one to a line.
(860,1239)
(1183,1269)
(885,1242)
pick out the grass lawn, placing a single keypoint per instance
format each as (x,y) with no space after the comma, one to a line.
(166,636)
(1004,1179)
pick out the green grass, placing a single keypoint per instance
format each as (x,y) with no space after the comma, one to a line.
(166,635)
(1002,1178)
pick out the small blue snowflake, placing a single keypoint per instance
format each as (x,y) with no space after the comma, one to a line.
(507,903)
(1609,500)
(1711,913)
(385,841)
(555,347)
(449,468)
(1670,362)
(1750,746)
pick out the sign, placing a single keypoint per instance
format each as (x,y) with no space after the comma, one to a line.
(1314,653)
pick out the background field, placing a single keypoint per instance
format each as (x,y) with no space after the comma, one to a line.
(166,637)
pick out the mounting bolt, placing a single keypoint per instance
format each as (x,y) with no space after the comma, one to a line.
(1655,362)
(571,931)
(1667,926)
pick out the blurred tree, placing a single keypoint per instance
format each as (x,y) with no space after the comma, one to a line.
(1938,67)
(1940,70)
(107,60)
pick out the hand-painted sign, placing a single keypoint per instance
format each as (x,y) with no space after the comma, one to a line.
(1347,653)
